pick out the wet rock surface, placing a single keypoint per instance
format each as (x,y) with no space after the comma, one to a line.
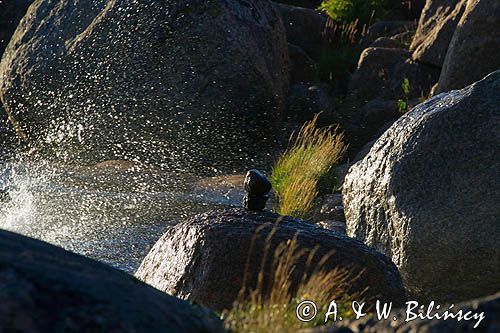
(47,289)
(167,82)
(411,196)
(205,258)
(8,138)
(225,190)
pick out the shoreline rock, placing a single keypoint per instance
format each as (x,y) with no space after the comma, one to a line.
(47,289)
(205,258)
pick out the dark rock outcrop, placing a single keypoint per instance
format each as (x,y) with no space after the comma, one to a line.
(205,259)
(403,9)
(375,71)
(489,307)
(312,4)
(329,213)
(421,79)
(435,30)
(427,194)
(302,67)
(474,50)
(375,114)
(304,27)
(381,72)
(11,12)
(305,101)
(47,289)
(172,82)
(387,42)
(386,29)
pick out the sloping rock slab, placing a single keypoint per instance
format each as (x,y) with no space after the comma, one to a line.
(47,289)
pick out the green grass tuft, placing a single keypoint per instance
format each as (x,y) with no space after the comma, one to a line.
(403,104)
(306,168)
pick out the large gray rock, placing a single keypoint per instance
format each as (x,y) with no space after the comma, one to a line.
(435,30)
(475,48)
(205,259)
(427,194)
(489,307)
(47,289)
(11,12)
(177,82)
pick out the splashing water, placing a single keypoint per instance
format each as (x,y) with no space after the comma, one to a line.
(115,80)
(112,212)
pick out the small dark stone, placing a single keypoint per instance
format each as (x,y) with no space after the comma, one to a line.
(255,203)
(256,183)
